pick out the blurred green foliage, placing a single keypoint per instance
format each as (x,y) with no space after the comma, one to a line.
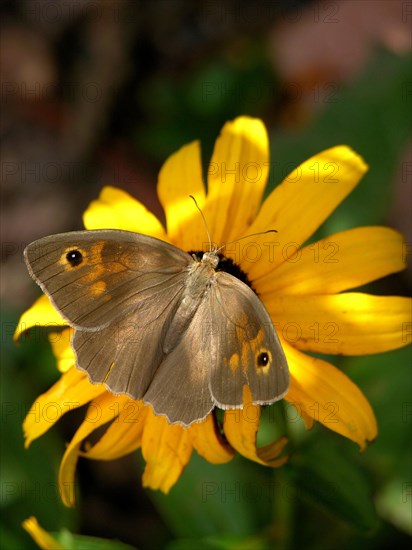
(29,477)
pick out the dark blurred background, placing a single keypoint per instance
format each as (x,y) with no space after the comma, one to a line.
(101,92)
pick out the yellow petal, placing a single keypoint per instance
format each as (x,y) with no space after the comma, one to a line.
(324,393)
(40,314)
(237,178)
(116,209)
(62,350)
(350,323)
(207,441)
(181,176)
(72,390)
(299,205)
(166,449)
(241,427)
(124,435)
(101,410)
(339,262)
(41,537)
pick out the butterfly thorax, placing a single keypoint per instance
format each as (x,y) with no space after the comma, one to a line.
(200,276)
(201,272)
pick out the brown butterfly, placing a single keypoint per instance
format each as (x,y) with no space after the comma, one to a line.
(159,324)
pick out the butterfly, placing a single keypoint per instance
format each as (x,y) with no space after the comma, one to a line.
(159,324)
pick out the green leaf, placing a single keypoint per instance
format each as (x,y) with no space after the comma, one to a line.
(387,377)
(330,477)
(233,498)
(393,502)
(71,541)
(222,543)
(386,380)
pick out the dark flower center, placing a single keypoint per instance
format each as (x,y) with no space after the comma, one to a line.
(227,265)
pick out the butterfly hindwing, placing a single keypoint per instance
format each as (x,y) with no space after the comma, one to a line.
(126,354)
(247,346)
(180,388)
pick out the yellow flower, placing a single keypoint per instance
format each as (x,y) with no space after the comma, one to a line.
(301,287)
(40,536)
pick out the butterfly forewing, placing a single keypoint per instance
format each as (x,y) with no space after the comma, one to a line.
(93,277)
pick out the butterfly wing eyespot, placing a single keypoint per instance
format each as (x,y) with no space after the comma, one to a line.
(263,359)
(74,257)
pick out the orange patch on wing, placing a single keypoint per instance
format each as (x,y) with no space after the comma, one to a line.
(98,288)
(100,269)
(234,362)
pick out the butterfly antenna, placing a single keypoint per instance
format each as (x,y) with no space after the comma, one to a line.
(204,221)
(246,237)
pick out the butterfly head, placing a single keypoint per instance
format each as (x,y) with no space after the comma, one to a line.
(211,258)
